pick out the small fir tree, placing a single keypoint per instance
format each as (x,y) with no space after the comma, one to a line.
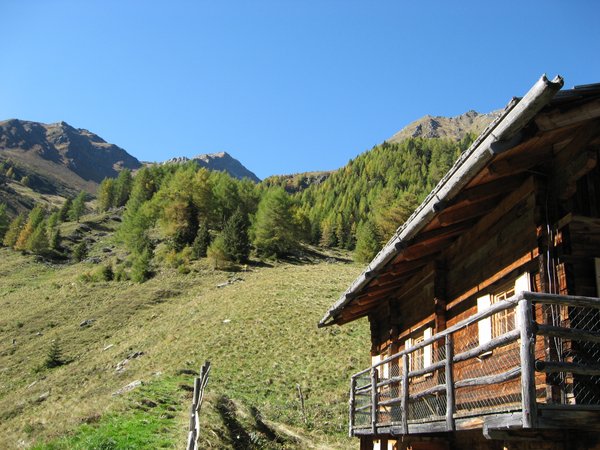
(4,221)
(236,243)
(80,251)
(140,269)
(63,212)
(202,241)
(14,230)
(216,252)
(78,207)
(54,358)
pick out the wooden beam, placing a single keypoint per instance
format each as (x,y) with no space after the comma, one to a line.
(558,118)
(527,354)
(556,367)
(450,402)
(487,190)
(526,258)
(464,212)
(568,333)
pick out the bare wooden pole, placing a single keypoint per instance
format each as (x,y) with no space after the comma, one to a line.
(301,398)
(374,405)
(527,364)
(449,384)
(352,407)
(405,393)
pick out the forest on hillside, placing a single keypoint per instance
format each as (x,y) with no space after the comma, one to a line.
(175,213)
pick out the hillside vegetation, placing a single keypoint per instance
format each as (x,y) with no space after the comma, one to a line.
(258,329)
(180,264)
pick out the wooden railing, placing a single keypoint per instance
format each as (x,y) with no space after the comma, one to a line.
(400,395)
(200,383)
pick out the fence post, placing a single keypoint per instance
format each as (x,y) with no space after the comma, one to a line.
(352,407)
(197,397)
(450,405)
(374,405)
(405,392)
(527,353)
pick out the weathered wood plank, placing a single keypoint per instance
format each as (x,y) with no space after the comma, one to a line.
(489,379)
(405,393)
(568,333)
(527,349)
(374,406)
(500,341)
(450,402)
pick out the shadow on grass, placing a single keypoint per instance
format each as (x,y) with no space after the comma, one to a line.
(238,436)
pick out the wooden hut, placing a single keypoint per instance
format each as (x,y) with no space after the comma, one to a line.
(483,306)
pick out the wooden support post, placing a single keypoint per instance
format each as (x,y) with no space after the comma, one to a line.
(374,405)
(352,406)
(527,364)
(449,384)
(405,393)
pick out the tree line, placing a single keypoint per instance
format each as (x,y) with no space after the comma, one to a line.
(178,212)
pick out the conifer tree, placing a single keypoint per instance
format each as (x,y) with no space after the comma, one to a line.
(106,194)
(54,238)
(78,207)
(34,220)
(140,269)
(274,230)
(13,231)
(38,241)
(123,185)
(201,242)
(367,242)
(236,243)
(54,357)
(180,221)
(216,252)
(4,221)
(80,251)
(63,213)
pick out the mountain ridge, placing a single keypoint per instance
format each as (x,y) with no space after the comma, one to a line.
(222,161)
(455,127)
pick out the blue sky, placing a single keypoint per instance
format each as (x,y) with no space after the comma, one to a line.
(284,86)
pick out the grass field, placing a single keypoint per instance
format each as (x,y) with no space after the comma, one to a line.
(259,332)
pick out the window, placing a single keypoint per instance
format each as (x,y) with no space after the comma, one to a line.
(422,357)
(504,321)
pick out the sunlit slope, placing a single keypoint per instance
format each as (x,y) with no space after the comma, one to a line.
(259,332)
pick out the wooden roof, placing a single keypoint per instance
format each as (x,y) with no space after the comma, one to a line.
(544,124)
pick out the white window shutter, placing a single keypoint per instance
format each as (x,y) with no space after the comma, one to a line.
(408,344)
(522,283)
(485,325)
(427,351)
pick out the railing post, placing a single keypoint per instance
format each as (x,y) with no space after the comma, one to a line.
(405,392)
(527,353)
(450,405)
(374,406)
(352,407)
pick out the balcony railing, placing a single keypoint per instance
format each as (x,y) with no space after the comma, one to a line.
(544,366)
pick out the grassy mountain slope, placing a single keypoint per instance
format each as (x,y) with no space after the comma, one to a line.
(259,332)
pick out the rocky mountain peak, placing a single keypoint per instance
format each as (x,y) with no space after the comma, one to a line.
(446,127)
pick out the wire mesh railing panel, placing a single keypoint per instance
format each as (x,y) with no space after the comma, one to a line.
(431,406)
(569,387)
(362,401)
(503,395)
